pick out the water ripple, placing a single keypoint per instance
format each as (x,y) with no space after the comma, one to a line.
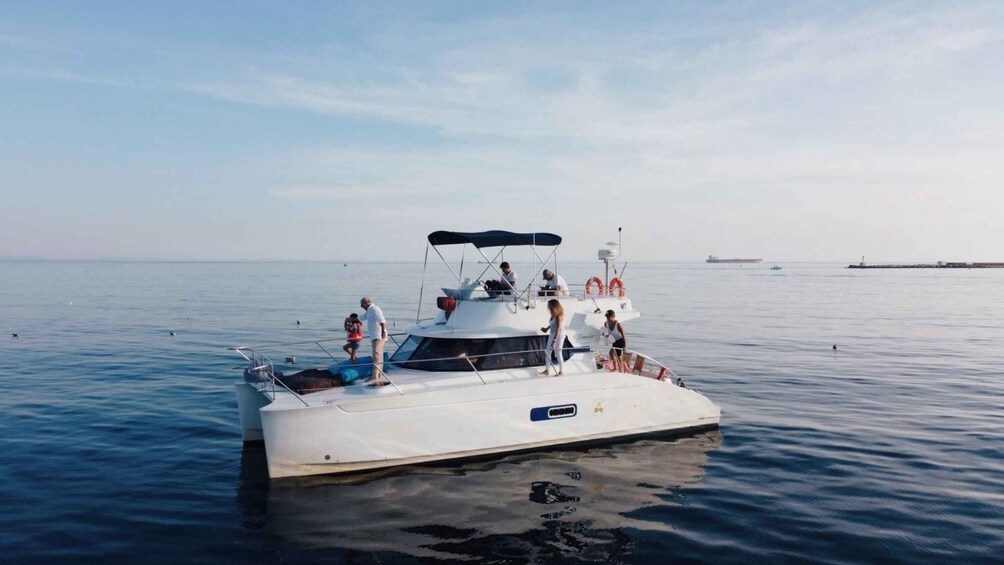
(121,441)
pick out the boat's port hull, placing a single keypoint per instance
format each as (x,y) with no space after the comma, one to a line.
(475,421)
(250,401)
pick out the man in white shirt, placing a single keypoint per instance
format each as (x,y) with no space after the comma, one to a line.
(376,328)
(508,276)
(555,285)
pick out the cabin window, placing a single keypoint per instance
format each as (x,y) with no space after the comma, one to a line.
(406,349)
(514,353)
(437,354)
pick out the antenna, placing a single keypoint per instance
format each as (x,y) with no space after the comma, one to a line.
(608,254)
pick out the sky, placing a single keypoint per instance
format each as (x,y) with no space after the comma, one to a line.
(337,131)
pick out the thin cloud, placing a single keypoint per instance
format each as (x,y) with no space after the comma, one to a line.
(352,192)
(68,76)
(719,89)
(701,128)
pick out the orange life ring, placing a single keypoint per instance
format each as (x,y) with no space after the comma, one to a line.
(617,283)
(599,285)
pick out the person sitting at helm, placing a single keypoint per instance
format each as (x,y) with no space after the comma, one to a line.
(505,286)
(508,277)
(554,285)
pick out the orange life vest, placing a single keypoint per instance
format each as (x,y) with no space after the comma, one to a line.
(355,330)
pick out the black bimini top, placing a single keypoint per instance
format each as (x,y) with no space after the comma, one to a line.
(493,238)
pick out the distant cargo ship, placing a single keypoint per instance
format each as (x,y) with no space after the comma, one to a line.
(715,259)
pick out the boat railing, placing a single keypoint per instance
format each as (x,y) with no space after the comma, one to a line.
(261,369)
(392,336)
(531,293)
(639,364)
(587,292)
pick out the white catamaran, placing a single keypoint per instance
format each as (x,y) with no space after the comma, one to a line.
(465,383)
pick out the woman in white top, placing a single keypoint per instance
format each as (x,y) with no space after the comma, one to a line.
(555,337)
(615,331)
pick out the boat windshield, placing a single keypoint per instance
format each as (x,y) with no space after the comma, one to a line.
(406,349)
(443,354)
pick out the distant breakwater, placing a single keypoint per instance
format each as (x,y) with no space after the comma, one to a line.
(931,266)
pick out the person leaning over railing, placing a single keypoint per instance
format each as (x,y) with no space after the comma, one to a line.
(614,331)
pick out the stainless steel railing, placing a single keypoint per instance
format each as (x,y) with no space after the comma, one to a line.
(634,362)
(640,364)
(261,365)
(531,293)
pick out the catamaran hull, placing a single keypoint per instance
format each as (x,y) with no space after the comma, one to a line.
(250,401)
(475,421)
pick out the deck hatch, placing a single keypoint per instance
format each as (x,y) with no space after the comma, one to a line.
(553,412)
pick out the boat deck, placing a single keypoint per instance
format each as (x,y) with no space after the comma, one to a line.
(403,381)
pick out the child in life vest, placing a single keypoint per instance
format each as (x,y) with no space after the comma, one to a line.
(354,329)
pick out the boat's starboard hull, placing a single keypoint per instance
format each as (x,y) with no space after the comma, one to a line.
(477,421)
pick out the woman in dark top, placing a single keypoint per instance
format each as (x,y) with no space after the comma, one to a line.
(615,331)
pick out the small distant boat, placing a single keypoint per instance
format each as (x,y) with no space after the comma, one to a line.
(776,268)
(715,259)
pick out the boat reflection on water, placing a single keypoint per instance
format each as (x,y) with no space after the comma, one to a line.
(573,503)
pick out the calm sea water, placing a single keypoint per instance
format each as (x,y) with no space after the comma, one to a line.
(120,442)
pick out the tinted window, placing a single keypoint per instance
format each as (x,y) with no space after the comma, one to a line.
(406,348)
(436,354)
(514,352)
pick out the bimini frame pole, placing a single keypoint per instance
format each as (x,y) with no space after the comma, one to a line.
(421,291)
(490,262)
(543,262)
(445,262)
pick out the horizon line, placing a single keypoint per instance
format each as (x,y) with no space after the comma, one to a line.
(346,262)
